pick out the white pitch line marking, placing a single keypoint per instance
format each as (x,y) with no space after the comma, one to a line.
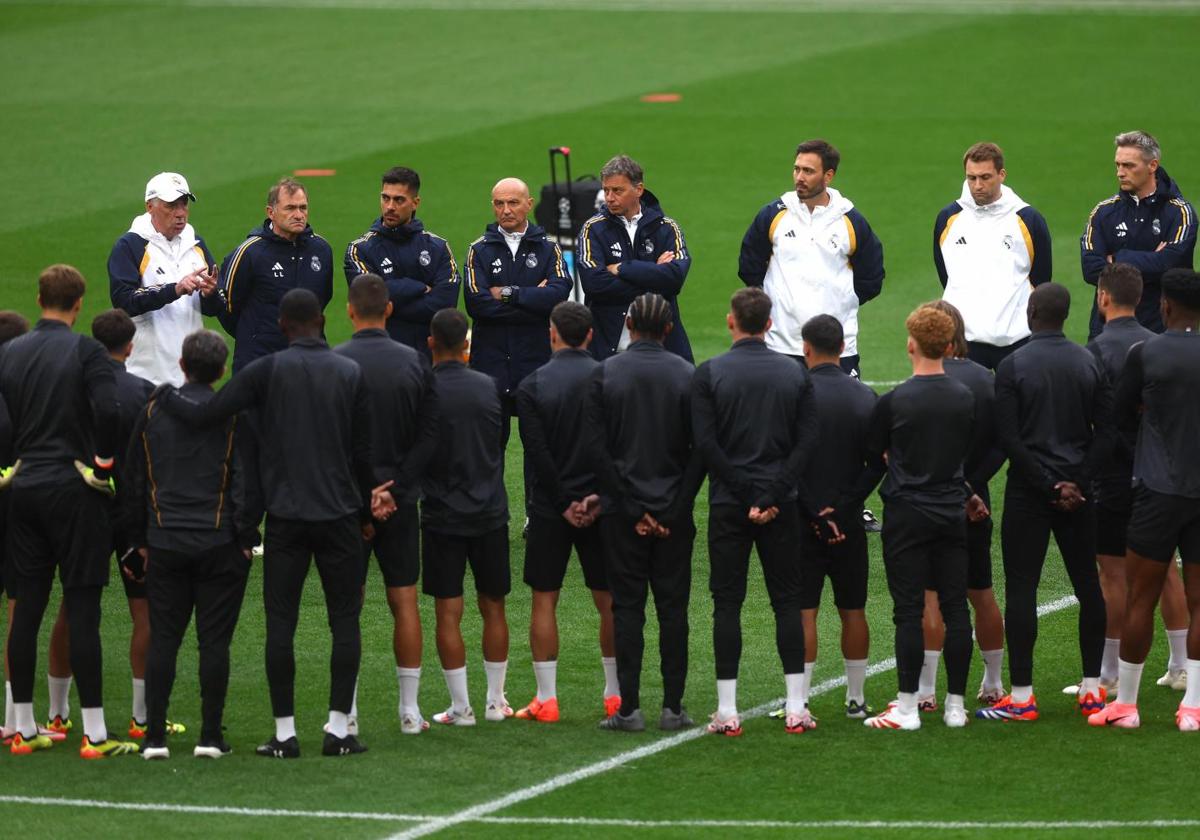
(475,812)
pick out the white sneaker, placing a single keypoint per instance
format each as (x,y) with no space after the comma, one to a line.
(411,724)
(498,710)
(1072,690)
(955,716)
(1175,679)
(155,753)
(893,718)
(454,717)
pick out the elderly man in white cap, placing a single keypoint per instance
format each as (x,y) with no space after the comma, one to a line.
(154,272)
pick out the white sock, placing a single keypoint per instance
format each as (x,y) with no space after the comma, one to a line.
(993,660)
(353,703)
(285,727)
(410,684)
(929,670)
(546,674)
(1108,664)
(93,724)
(795,693)
(456,684)
(1192,697)
(726,698)
(1022,693)
(60,696)
(496,672)
(611,687)
(139,700)
(23,719)
(806,683)
(1177,639)
(10,721)
(1131,680)
(338,724)
(906,702)
(856,678)
(1089,685)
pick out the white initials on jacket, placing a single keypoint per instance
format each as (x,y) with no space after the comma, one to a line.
(987,252)
(810,271)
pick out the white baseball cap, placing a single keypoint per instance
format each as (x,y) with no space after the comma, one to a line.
(168,186)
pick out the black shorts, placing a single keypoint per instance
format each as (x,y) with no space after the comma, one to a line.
(548,550)
(445,558)
(133,588)
(845,564)
(1160,523)
(979,554)
(58,525)
(397,548)
(1114,503)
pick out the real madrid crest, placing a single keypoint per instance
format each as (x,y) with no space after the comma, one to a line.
(316,263)
(531,260)
(424,259)
(648,247)
(1157,227)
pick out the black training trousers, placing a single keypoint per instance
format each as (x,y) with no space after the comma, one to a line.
(922,551)
(634,563)
(730,537)
(213,584)
(290,545)
(1024,536)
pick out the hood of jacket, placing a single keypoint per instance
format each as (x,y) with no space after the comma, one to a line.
(837,207)
(651,209)
(1008,202)
(143,227)
(1164,186)
(403,233)
(533,233)
(264,230)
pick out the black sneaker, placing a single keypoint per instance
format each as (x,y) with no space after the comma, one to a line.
(870,523)
(279,749)
(218,748)
(634,722)
(341,746)
(674,721)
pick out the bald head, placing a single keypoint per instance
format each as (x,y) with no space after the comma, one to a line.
(512,204)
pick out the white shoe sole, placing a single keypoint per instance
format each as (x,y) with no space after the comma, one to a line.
(156,753)
(207,752)
(448,719)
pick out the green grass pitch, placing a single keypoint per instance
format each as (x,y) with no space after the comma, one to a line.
(99,96)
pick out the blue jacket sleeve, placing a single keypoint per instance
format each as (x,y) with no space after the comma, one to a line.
(441,294)
(1093,247)
(1041,268)
(867,259)
(1176,249)
(599,285)
(6,435)
(756,247)
(553,290)
(325,294)
(355,261)
(481,306)
(939,225)
(666,278)
(360,260)
(125,281)
(237,283)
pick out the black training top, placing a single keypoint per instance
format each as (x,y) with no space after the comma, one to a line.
(754,421)
(844,406)
(132,394)
(985,457)
(403,407)
(185,489)
(1162,376)
(926,428)
(1111,347)
(314,429)
(62,401)
(640,433)
(551,405)
(1053,413)
(464,481)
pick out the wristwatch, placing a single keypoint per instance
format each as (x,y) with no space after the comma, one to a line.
(507,294)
